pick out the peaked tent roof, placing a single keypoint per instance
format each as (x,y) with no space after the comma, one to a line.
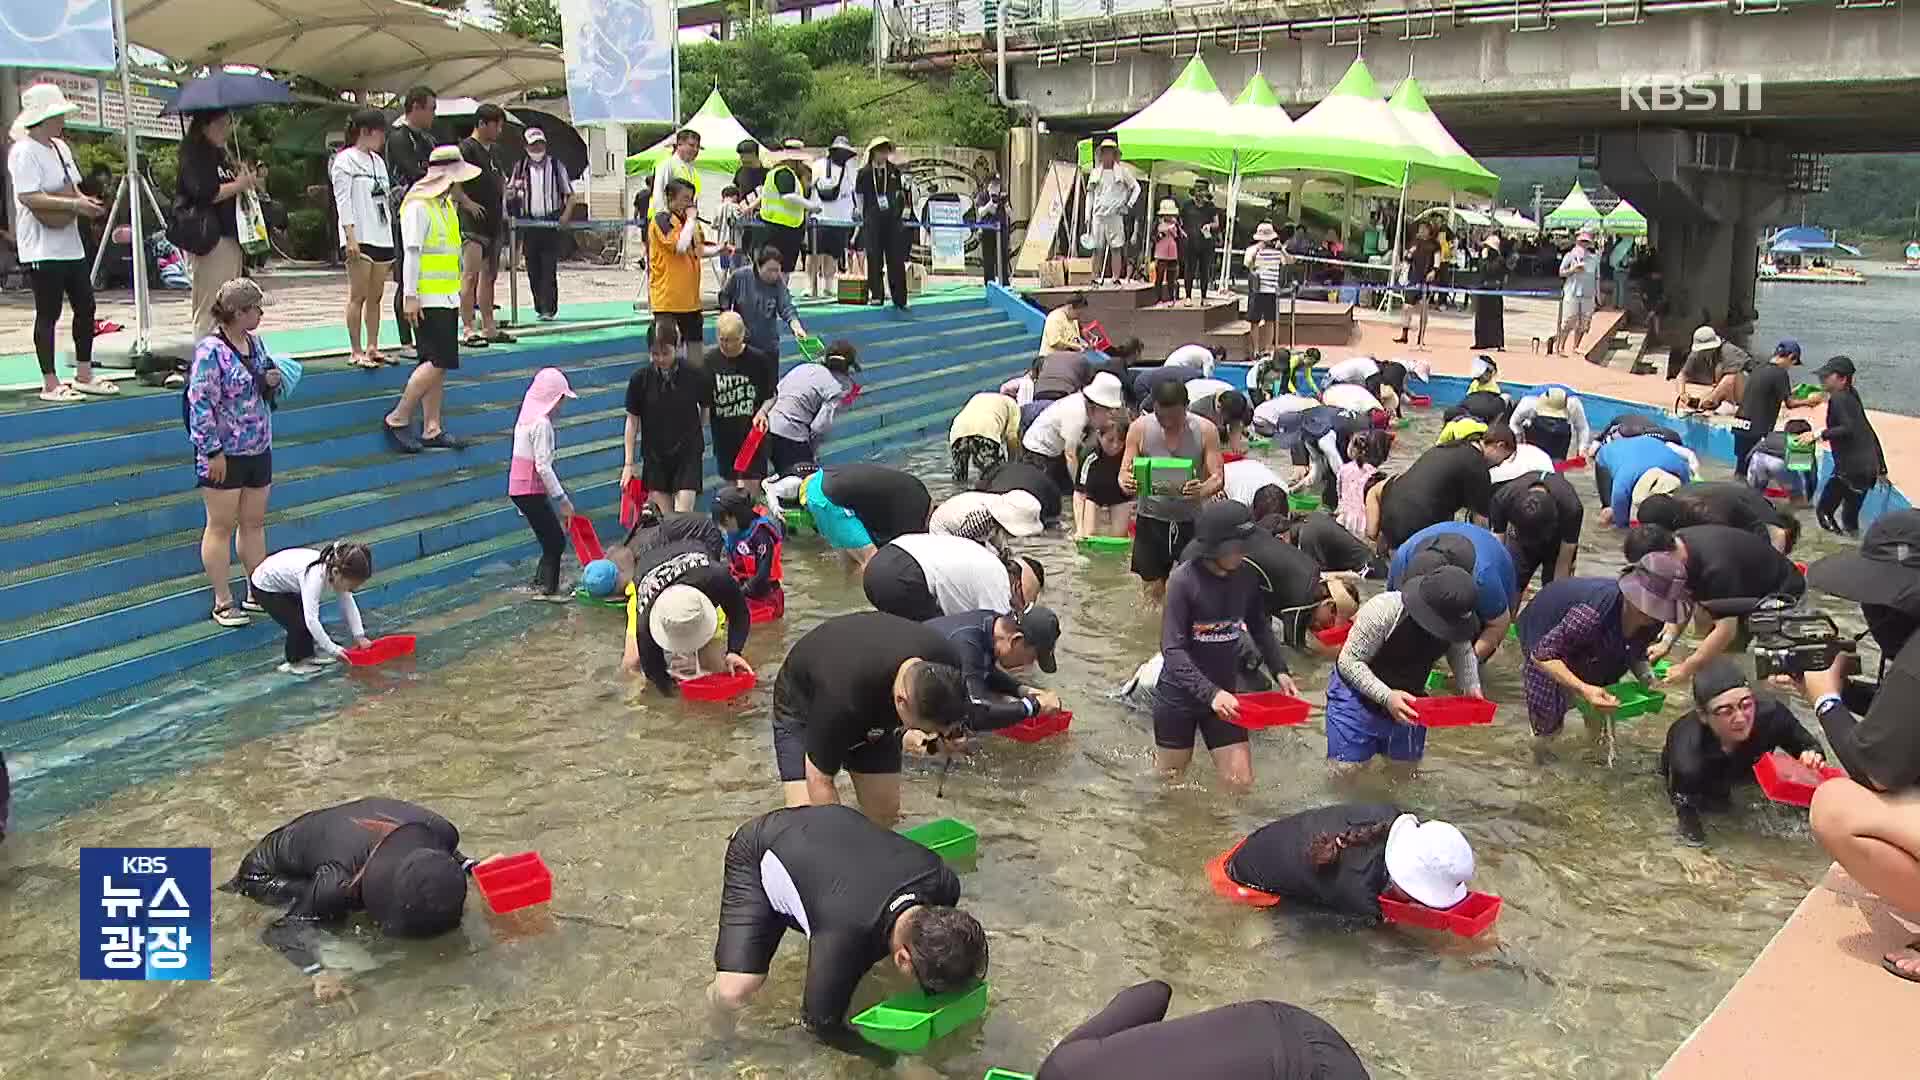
(1351,132)
(1256,115)
(719,132)
(1624,220)
(1455,167)
(1574,211)
(1177,126)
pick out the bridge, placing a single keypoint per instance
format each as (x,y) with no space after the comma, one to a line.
(1508,78)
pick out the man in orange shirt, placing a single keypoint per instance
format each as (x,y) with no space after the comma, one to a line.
(675,246)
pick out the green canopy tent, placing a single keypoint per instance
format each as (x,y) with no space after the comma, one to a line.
(1178,126)
(1575,211)
(1454,171)
(1255,122)
(1624,220)
(719,132)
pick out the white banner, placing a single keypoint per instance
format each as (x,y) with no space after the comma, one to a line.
(949,244)
(66,33)
(97,105)
(619,56)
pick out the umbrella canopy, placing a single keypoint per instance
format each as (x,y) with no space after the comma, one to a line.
(1804,238)
(220,91)
(1352,132)
(1575,211)
(1624,220)
(1454,167)
(1178,126)
(719,132)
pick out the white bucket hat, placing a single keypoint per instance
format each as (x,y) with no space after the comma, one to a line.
(1106,392)
(40,103)
(1706,338)
(1264,231)
(1553,403)
(1018,512)
(1430,862)
(682,620)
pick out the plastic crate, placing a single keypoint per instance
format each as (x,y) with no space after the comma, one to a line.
(908,1023)
(1470,917)
(946,837)
(514,882)
(1228,889)
(1302,502)
(1105,545)
(1636,700)
(812,348)
(391,647)
(1570,464)
(583,596)
(1271,708)
(586,542)
(716,687)
(796,519)
(767,609)
(1421,401)
(1164,476)
(1335,634)
(748,448)
(1785,780)
(1007,1074)
(1044,726)
(1452,711)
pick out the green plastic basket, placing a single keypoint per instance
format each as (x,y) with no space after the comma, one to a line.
(1161,475)
(1636,700)
(797,520)
(947,838)
(600,601)
(907,1023)
(1097,545)
(1007,1074)
(1256,442)
(1803,391)
(811,348)
(1436,681)
(1301,502)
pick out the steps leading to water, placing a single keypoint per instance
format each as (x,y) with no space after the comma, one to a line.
(100,581)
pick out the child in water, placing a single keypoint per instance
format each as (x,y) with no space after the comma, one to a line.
(533,485)
(289,585)
(753,548)
(1366,452)
(1100,506)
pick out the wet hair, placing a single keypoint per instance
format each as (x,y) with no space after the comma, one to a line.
(346,560)
(488,114)
(947,948)
(1661,510)
(1129,349)
(1269,500)
(416,97)
(1536,515)
(767,254)
(842,357)
(1016,562)
(1500,433)
(365,120)
(938,692)
(679,184)
(1323,851)
(1232,408)
(663,335)
(1170,394)
(1643,539)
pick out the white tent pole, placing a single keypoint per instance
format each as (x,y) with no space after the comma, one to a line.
(1399,231)
(1233,215)
(142,317)
(674,29)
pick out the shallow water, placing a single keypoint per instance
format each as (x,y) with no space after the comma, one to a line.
(1614,942)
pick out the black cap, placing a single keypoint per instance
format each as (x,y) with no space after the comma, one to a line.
(1444,603)
(1041,627)
(1886,569)
(737,502)
(1838,365)
(1716,677)
(1223,524)
(411,886)
(1447,549)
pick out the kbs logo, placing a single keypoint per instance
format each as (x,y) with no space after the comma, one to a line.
(1690,93)
(145,913)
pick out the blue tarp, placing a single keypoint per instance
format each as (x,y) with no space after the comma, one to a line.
(1798,239)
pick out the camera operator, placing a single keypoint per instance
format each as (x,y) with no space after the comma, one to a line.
(1712,748)
(1730,571)
(1870,822)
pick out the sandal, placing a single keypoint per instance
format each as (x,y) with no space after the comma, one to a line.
(475,341)
(363,362)
(501,337)
(379,358)
(64,394)
(1894,969)
(96,387)
(231,617)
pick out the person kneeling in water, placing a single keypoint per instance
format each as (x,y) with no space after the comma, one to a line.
(860,893)
(1131,1039)
(289,585)
(1344,857)
(397,861)
(1715,746)
(754,540)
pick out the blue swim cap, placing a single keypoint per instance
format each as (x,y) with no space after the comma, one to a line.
(600,577)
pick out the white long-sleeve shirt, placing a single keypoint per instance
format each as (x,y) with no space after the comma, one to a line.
(299,570)
(532,472)
(1576,418)
(359,179)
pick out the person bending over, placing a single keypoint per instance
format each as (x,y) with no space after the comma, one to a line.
(1396,639)
(1723,502)
(992,646)
(1443,482)
(921,576)
(677,598)
(1582,635)
(1131,1039)
(1538,516)
(1729,571)
(862,507)
(1343,858)
(859,893)
(1713,748)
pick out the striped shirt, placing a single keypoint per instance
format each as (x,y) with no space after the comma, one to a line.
(1266,263)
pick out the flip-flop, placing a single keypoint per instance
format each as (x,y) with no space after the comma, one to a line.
(99,387)
(475,341)
(64,394)
(1912,977)
(501,337)
(364,363)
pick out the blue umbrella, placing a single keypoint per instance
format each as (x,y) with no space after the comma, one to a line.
(224,90)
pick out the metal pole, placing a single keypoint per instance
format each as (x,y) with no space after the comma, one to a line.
(676,62)
(1399,238)
(513,273)
(142,316)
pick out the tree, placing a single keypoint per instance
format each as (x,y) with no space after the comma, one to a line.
(764,79)
(534,20)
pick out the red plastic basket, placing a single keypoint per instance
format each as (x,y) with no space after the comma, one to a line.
(586,542)
(768,608)
(514,882)
(1271,708)
(1800,566)
(1228,457)
(391,647)
(632,497)
(1035,728)
(1335,634)
(1570,464)
(716,687)
(1785,780)
(1468,918)
(1420,400)
(750,447)
(1452,711)
(850,396)
(1228,889)
(1778,493)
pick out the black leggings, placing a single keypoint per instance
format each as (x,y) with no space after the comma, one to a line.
(1199,259)
(286,609)
(1845,496)
(545,523)
(53,279)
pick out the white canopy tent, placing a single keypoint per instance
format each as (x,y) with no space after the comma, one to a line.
(378,46)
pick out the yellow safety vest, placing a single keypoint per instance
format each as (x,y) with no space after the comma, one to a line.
(440,255)
(774,209)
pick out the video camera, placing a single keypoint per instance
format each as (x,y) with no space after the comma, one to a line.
(1788,639)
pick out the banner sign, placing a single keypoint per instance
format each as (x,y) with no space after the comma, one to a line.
(949,244)
(145,913)
(619,56)
(97,105)
(74,34)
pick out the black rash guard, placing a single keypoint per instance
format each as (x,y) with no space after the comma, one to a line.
(1274,859)
(1206,615)
(838,678)
(685,563)
(1289,580)
(311,863)
(674,527)
(835,876)
(1729,570)
(1443,482)
(1023,476)
(988,684)
(889,502)
(1329,544)
(1131,1039)
(1701,773)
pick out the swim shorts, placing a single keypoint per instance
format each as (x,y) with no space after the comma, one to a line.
(839,526)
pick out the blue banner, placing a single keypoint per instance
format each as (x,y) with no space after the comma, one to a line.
(70,34)
(619,56)
(146,913)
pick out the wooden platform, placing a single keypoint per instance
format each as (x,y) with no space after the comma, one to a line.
(1130,311)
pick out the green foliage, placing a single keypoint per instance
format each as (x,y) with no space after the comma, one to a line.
(308,236)
(822,118)
(973,117)
(1875,195)
(534,20)
(842,39)
(958,111)
(763,77)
